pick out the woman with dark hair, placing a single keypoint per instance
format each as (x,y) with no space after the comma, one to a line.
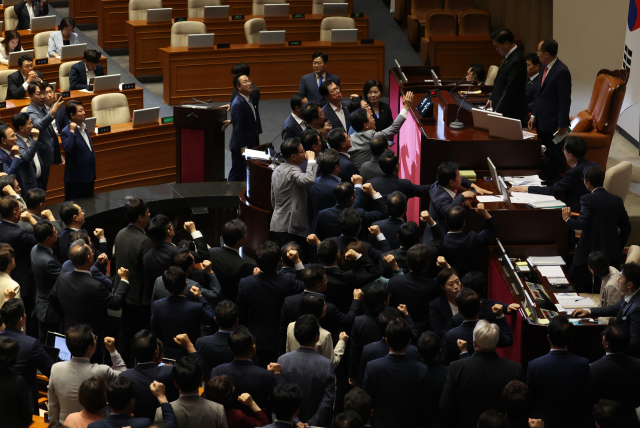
(517,403)
(442,309)
(598,265)
(372,92)
(15,408)
(64,37)
(11,43)
(219,389)
(92,394)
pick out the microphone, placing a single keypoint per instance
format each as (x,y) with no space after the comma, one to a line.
(456,124)
(457,84)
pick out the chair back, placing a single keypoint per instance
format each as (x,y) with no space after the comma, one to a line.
(335,23)
(474,22)
(491,75)
(258,5)
(195,8)
(440,23)
(111,109)
(4,83)
(420,8)
(63,75)
(41,44)
(10,19)
(180,32)
(618,179)
(317,6)
(459,6)
(252,29)
(138,8)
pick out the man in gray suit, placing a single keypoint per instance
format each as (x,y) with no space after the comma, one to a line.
(365,126)
(190,409)
(289,195)
(66,376)
(312,372)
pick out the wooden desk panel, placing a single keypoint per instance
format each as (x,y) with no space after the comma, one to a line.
(51,70)
(144,39)
(245,7)
(279,68)
(83,11)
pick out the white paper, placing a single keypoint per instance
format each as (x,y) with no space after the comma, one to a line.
(560,308)
(86,90)
(558,281)
(484,199)
(526,135)
(256,154)
(546,261)
(525,198)
(576,302)
(551,271)
(558,295)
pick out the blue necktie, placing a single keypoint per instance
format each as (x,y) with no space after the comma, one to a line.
(320,81)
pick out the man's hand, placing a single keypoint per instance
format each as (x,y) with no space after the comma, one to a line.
(56,106)
(343,336)
(562,131)
(195,291)
(123,273)
(8,191)
(310,155)
(2,174)
(374,230)
(488,105)
(225,125)
(110,344)
(522,189)
(103,259)
(256,270)
(468,194)
(27,218)
(566,213)
(15,150)
(98,233)
(302,425)
(158,391)
(352,255)
(48,215)
(482,211)
(35,134)
(480,191)
(189,226)
(462,345)
(207,267)
(442,263)
(497,310)
(358,294)
(368,189)
(513,307)
(403,309)
(425,217)
(10,293)
(227,106)
(246,399)
(294,256)
(391,260)
(353,381)
(407,100)
(532,123)
(313,240)
(183,341)
(356,179)
(579,313)
(275,368)
(536,423)
(72,127)
(32,76)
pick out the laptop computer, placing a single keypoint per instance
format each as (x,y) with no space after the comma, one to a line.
(335,9)
(481,119)
(200,40)
(272,37)
(72,52)
(108,83)
(14,56)
(43,23)
(216,12)
(159,15)
(273,10)
(90,123)
(146,116)
(59,341)
(344,35)
(52,352)
(505,127)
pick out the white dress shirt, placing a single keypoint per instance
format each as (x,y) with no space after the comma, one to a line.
(90,74)
(301,122)
(83,131)
(340,113)
(511,51)
(533,77)
(36,158)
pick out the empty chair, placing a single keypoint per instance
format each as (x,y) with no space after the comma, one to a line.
(4,83)
(491,75)
(63,75)
(10,19)
(180,32)
(258,5)
(474,22)
(195,8)
(317,5)
(459,6)
(633,254)
(335,23)
(138,8)
(618,179)
(416,21)
(111,109)
(252,29)
(437,23)
(41,44)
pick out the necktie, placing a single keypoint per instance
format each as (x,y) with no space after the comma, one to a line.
(320,81)
(503,59)
(546,69)
(621,313)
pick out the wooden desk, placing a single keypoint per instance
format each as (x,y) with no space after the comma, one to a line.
(83,11)
(144,39)
(51,70)
(38,422)
(279,68)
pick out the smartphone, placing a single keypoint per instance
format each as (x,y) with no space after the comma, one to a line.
(59,96)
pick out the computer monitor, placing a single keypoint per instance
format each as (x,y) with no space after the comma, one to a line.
(52,352)
(146,116)
(344,35)
(90,123)
(436,79)
(195,41)
(272,37)
(72,52)
(108,83)
(505,127)
(15,56)
(43,23)
(482,118)
(216,12)
(510,270)
(504,190)
(335,9)
(159,15)
(494,175)
(275,10)
(59,341)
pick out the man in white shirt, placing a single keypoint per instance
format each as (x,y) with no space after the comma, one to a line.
(336,110)
(80,169)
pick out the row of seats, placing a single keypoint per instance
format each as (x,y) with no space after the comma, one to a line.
(455,6)
(441,22)
(65,69)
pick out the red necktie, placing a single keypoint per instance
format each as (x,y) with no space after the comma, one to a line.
(546,69)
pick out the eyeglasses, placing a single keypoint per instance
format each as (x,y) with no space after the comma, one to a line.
(317,63)
(335,90)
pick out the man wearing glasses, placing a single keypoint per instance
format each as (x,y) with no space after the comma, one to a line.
(310,83)
(336,110)
(244,118)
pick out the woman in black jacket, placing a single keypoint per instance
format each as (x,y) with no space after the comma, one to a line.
(372,92)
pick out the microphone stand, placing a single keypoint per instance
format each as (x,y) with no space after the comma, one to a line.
(456,124)
(457,84)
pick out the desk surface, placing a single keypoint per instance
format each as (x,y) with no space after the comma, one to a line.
(51,70)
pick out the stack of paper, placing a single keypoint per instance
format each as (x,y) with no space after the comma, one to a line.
(525,180)
(546,261)
(526,135)
(547,205)
(255,154)
(573,301)
(526,198)
(551,271)
(485,199)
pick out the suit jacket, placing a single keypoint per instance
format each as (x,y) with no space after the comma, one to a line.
(196,412)
(601,215)
(49,147)
(214,350)
(80,161)
(24,20)
(212,296)
(14,400)
(78,76)
(61,120)
(98,272)
(15,90)
(371,169)
(374,254)
(341,283)
(572,185)
(450,350)
(436,378)
(309,87)
(83,300)
(552,102)
(260,300)
(229,268)
(389,227)
(121,421)
(63,245)
(174,315)
(440,314)
(291,128)
(289,198)
(347,168)
(143,374)
(384,118)
(66,377)
(461,405)
(617,377)
(403,402)
(461,250)
(130,246)
(254,96)
(46,269)
(27,168)
(532,89)
(440,202)
(320,196)
(25,225)
(627,315)
(313,373)
(12,166)
(360,150)
(380,349)
(415,290)
(22,242)
(388,184)
(56,43)
(32,357)
(245,125)
(509,89)
(330,114)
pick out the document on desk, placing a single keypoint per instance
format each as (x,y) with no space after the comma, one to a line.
(558,281)
(525,180)
(551,271)
(485,199)
(573,302)
(525,198)
(546,261)
(256,154)
(526,135)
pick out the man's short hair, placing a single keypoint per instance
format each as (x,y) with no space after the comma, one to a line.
(7,180)
(182,259)
(92,394)
(8,205)
(418,258)
(323,56)
(517,400)
(31,89)
(598,263)
(576,146)
(42,230)
(268,256)
(631,272)
(327,161)
(310,112)
(343,192)
(608,414)
(3,130)
(285,400)
(187,374)
(289,246)
(388,162)
(560,331)
(236,80)
(9,350)
(72,107)
(312,304)
(11,311)
(409,234)
(308,139)
(549,46)
(486,335)
(616,335)
(379,145)
(468,303)
(20,119)
(24,58)
(476,281)
(429,345)
(92,55)
(135,208)
(478,71)
(241,68)
(174,280)
(226,314)
(533,57)
(144,346)
(240,341)
(34,197)
(446,172)
(296,101)
(375,298)
(78,253)
(354,104)
(502,36)
(67,211)
(358,119)
(347,419)
(327,252)
(398,334)
(492,419)
(312,276)
(455,217)
(336,137)
(233,231)
(397,204)
(6,254)
(159,227)
(349,222)
(121,392)
(306,329)
(360,402)
(324,87)
(79,339)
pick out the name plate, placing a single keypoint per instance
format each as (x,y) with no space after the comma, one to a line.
(366,41)
(65,94)
(3,104)
(104,129)
(237,17)
(224,45)
(128,86)
(181,19)
(168,119)
(298,16)
(295,43)
(357,15)
(40,61)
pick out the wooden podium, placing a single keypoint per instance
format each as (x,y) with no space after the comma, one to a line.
(199,144)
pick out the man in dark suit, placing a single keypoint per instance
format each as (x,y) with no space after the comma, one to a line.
(50,98)
(429,350)
(533,78)
(602,214)
(18,82)
(551,104)
(509,88)
(32,166)
(10,153)
(415,289)
(294,125)
(46,268)
(80,161)
(228,266)
(389,182)
(409,235)
(244,69)
(260,299)
(244,374)
(34,200)
(313,116)
(82,72)
(571,184)
(339,140)
(359,402)
(24,15)
(565,374)
(244,118)
(461,405)
(469,303)
(371,168)
(32,355)
(321,194)
(616,376)
(312,372)
(174,315)
(14,397)
(397,209)
(335,110)
(310,83)
(460,249)
(214,349)
(72,215)
(397,384)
